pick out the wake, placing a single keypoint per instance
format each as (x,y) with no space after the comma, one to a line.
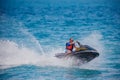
(11,55)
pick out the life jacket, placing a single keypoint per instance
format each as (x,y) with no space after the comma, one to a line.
(69,46)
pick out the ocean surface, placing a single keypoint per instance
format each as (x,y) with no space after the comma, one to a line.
(33,31)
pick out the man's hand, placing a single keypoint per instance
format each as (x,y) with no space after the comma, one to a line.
(77,42)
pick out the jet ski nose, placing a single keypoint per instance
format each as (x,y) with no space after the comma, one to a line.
(97,54)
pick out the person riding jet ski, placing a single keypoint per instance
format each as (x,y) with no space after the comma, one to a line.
(71,45)
(80,52)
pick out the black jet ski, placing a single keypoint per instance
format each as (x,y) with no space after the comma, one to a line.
(85,54)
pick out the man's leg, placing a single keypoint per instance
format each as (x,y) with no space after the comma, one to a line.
(68,51)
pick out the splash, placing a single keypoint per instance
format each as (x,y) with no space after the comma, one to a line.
(11,55)
(33,39)
(95,40)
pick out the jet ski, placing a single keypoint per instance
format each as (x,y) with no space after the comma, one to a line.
(84,54)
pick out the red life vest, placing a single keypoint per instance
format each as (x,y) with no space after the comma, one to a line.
(69,46)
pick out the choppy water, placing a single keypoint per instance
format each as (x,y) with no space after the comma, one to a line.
(31,32)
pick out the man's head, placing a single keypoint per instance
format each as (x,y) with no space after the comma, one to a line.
(71,40)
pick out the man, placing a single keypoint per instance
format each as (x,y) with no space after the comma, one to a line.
(70,45)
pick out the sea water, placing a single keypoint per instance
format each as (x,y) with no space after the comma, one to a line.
(33,31)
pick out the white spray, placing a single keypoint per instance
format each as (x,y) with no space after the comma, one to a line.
(34,40)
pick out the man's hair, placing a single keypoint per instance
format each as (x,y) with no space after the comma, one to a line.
(71,39)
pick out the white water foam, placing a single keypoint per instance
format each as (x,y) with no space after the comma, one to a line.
(11,54)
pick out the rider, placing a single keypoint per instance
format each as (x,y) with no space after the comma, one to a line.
(70,45)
